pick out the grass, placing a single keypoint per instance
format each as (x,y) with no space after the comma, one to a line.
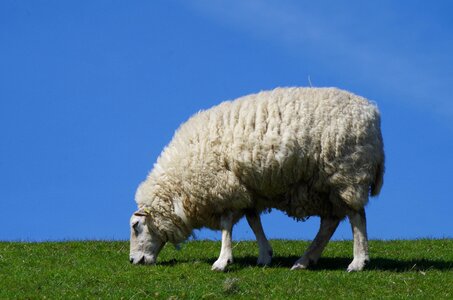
(100,269)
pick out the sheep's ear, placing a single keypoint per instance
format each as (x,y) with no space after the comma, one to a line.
(135,225)
(142,213)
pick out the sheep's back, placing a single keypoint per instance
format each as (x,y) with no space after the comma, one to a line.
(281,138)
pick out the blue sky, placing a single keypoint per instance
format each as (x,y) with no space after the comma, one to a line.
(91,91)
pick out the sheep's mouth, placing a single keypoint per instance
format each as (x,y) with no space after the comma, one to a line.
(142,260)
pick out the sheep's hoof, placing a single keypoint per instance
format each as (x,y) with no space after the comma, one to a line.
(297,266)
(218,269)
(220,265)
(357,265)
(265,259)
(301,264)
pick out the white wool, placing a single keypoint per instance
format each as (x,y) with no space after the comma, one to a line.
(306,151)
(179,210)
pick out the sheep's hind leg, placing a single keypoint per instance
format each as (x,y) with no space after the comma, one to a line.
(265,249)
(358,225)
(311,256)
(226,253)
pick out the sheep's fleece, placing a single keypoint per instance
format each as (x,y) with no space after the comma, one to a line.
(306,151)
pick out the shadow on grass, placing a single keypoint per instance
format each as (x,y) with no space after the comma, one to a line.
(335,263)
(341,263)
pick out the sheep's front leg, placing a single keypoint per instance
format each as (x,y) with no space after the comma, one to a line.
(358,225)
(265,249)
(311,256)
(226,254)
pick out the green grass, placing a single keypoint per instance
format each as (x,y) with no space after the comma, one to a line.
(398,269)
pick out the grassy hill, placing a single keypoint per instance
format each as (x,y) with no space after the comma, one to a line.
(100,269)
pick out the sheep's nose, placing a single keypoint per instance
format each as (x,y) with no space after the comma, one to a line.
(131,260)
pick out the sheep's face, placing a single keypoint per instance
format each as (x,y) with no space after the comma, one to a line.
(145,243)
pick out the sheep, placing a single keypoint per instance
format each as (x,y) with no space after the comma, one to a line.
(305,151)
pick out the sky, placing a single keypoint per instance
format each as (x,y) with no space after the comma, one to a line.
(91,92)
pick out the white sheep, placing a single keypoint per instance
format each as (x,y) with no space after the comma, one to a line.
(305,151)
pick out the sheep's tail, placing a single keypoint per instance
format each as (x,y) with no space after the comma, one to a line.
(378,179)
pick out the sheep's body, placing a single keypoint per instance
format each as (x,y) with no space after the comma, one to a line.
(306,151)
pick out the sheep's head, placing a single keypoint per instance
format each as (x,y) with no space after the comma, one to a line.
(145,242)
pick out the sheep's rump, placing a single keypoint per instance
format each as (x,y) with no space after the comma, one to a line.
(288,144)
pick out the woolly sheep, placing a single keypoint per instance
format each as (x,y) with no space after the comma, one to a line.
(305,151)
